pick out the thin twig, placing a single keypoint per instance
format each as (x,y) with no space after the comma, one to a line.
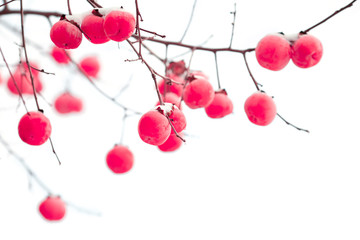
(233,26)
(13,79)
(332,15)
(288,123)
(190,20)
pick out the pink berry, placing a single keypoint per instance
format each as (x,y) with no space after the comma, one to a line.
(171,144)
(67,103)
(66,35)
(59,55)
(306,51)
(34,128)
(52,208)
(91,66)
(93,28)
(120,159)
(220,106)
(273,52)
(119,25)
(154,127)
(198,93)
(260,109)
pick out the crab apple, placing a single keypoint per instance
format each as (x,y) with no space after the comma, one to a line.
(306,51)
(52,208)
(90,65)
(198,93)
(66,35)
(176,117)
(273,52)
(176,87)
(23,82)
(59,55)
(260,108)
(67,103)
(154,127)
(34,128)
(93,29)
(220,106)
(120,159)
(177,68)
(119,25)
(171,144)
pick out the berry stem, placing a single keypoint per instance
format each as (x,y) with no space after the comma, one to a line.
(252,77)
(217,71)
(69,9)
(6,3)
(332,15)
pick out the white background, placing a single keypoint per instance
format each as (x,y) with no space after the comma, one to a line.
(232,179)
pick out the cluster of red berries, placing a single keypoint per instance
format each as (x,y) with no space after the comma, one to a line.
(274,51)
(100,26)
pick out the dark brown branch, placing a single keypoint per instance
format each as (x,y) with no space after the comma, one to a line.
(31,12)
(6,3)
(332,15)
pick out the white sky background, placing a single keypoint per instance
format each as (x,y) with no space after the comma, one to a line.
(232,179)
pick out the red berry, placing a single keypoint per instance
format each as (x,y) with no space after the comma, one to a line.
(59,55)
(273,52)
(23,82)
(34,128)
(220,106)
(260,109)
(176,87)
(91,66)
(120,159)
(198,93)
(171,144)
(306,51)
(177,118)
(67,103)
(154,127)
(93,28)
(52,208)
(65,34)
(119,25)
